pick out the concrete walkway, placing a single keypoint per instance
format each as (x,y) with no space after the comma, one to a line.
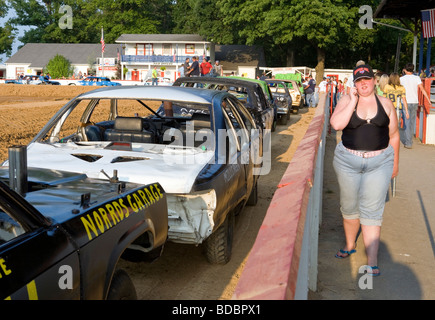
(407,250)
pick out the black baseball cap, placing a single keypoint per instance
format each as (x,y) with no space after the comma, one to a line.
(363,71)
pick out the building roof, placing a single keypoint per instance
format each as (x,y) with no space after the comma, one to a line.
(160,38)
(233,56)
(39,54)
(395,9)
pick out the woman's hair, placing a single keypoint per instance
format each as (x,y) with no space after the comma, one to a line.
(383,81)
(394,79)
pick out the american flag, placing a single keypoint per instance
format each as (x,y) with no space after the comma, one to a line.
(103,45)
(428,23)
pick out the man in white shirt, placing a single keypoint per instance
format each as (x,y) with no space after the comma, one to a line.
(411,83)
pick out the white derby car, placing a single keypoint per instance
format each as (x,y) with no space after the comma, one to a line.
(202,146)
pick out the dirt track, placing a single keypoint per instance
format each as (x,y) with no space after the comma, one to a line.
(182,272)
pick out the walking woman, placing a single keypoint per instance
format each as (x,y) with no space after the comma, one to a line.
(365,161)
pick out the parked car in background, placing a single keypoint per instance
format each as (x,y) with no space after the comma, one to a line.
(266,91)
(251,93)
(296,91)
(282,98)
(33,79)
(61,237)
(97,81)
(202,146)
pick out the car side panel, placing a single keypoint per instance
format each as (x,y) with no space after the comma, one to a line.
(30,272)
(142,211)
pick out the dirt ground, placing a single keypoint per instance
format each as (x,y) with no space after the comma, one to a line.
(182,272)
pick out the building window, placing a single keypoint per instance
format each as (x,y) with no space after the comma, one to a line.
(149,49)
(19,71)
(140,49)
(166,49)
(144,49)
(190,48)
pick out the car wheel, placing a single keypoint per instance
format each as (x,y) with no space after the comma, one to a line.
(253,197)
(274,125)
(282,119)
(218,246)
(295,109)
(121,288)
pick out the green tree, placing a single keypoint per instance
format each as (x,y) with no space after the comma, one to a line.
(88,17)
(7,35)
(206,18)
(59,67)
(289,22)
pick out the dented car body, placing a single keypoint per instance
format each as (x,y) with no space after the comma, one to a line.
(205,151)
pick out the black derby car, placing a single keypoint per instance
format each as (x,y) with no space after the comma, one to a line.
(62,238)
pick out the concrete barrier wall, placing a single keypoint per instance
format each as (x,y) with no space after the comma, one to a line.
(282,264)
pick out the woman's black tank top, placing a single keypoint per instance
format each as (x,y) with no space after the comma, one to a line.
(368,135)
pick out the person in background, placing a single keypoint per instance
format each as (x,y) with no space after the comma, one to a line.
(217,69)
(309,88)
(365,161)
(411,83)
(205,67)
(154,77)
(340,89)
(397,94)
(383,81)
(345,86)
(186,68)
(334,91)
(194,68)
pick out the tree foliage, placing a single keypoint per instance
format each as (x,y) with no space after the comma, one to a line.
(88,17)
(321,33)
(59,67)
(7,35)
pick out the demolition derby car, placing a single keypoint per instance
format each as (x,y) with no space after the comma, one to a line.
(255,95)
(282,98)
(62,234)
(202,146)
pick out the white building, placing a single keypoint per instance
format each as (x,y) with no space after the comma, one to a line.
(84,57)
(136,55)
(142,52)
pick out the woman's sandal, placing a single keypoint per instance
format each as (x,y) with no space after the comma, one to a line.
(347,253)
(374,274)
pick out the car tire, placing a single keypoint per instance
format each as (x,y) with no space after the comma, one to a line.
(282,119)
(219,245)
(274,125)
(121,288)
(253,197)
(296,109)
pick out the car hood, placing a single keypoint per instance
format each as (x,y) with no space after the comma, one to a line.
(175,168)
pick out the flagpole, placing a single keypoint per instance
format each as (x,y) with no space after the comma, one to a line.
(102,52)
